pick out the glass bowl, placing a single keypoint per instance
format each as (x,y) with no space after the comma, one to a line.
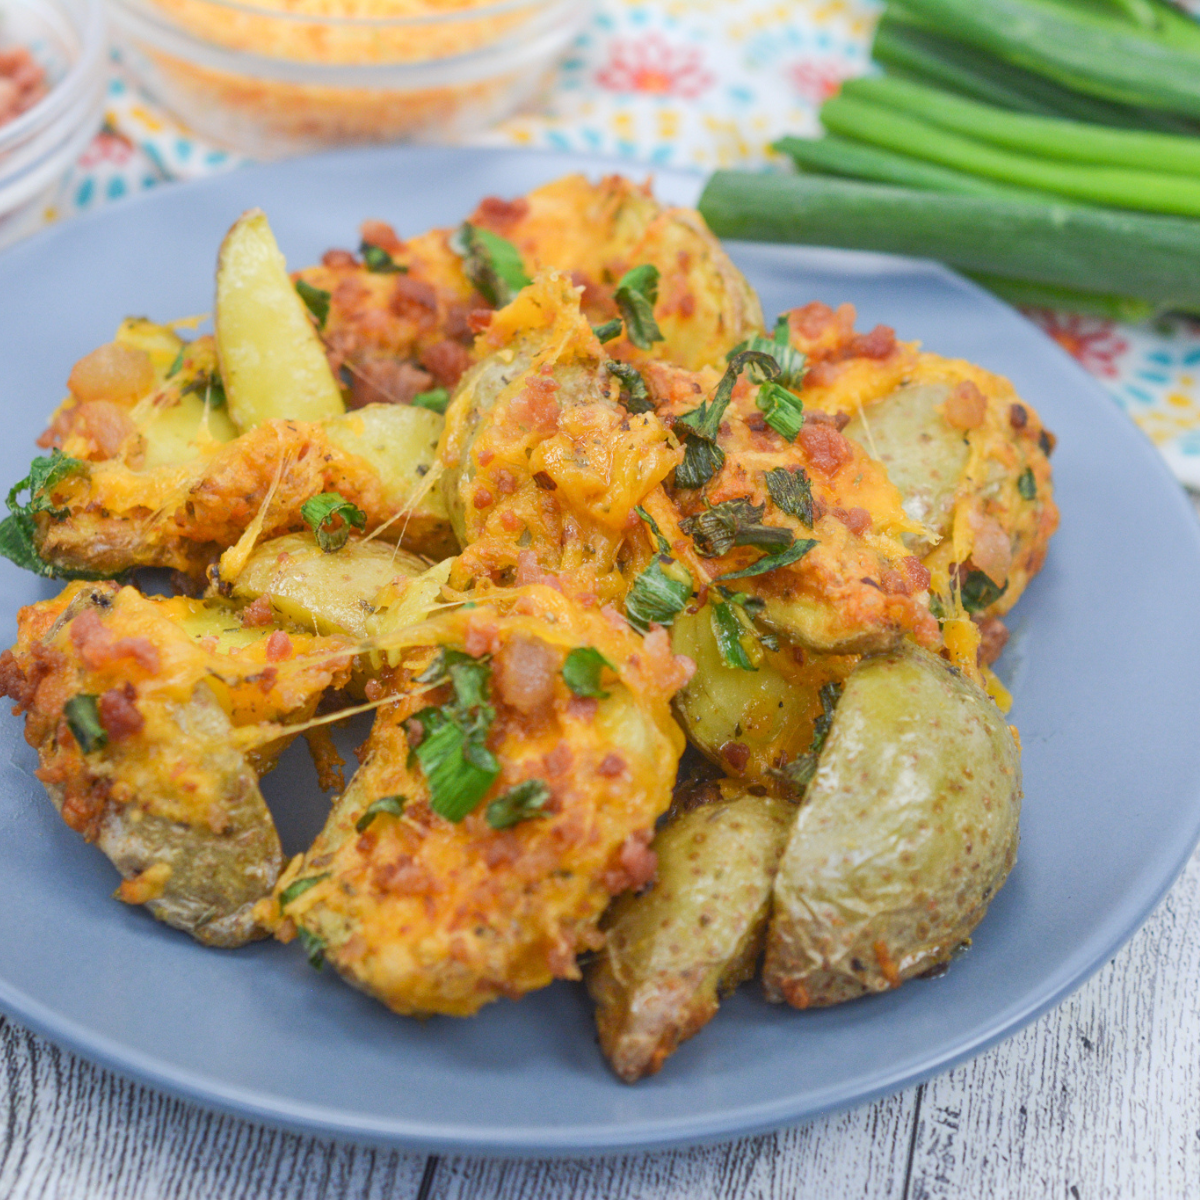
(67,37)
(282,77)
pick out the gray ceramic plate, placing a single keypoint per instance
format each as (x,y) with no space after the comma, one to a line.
(1104,665)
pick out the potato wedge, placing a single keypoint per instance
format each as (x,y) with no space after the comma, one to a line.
(272,361)
(908,829)
(696,934)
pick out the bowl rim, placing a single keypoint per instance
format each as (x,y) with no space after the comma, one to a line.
(93,43)
(434,20)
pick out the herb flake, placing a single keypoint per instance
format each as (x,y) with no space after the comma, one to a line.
(796,775)
(521,803)
(298,887)
(1027,485)
(702,457)
(728,629)
(314,947)
(581,672)
(608,331)
(392,805)
(492,263)
(322,514)
(634,394)
(18,530)
(731,523)
(83,719)
(316,300)
(636,295)
(791,492)
(980,592)
(655,598)
(794,553)
(379,262)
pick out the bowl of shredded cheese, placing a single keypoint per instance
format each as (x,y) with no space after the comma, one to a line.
(277,77)
(52,78)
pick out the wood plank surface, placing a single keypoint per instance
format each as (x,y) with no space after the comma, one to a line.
(1099,1099)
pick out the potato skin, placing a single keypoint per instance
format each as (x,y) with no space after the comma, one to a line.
(695,933)
(907,830)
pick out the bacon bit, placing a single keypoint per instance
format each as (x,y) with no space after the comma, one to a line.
(405,877)
(113,372)
(485,456)
(478,319)
(967,406)
(118,713)
(877,344)
(529,570)
(482,637)
(502,849)
(857,520)
(991,550)
(279,646)
(611,765)
(326,760)
(821,374)
(13,682)
(511,522)
(506,481)
(381,234)
(413,298)
(993,637)
(894,582)
(386,381)
(637,864)
(811,320)
(106,425)
(373,690)
(536,408)
(736,754)
(97,648)
(756,423)
(483,498)
(795,993)
(886,965)
(917,573)
(558,762)
(258,613)
(338,260)
(582,708)
(446,361)
(839,420)
(265,679)
(668,671)
(548,485)
(500,216)
(524,672)
(826,448)
(595,297)
(1018,416)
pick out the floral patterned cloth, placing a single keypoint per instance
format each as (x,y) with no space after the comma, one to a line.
(699,84)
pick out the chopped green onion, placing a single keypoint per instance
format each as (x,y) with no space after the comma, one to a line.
(436,400)
(769,562)
(783,410)
(175,366)
(314,947)
(1027,485)
(321,512)
(608,331)
(728,630)
(790,361)
(664,547)
(634,394)
(298,887)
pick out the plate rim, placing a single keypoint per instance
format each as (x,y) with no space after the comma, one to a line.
(595,1138)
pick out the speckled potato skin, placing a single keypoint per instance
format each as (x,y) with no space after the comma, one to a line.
(696,933)
(908,829)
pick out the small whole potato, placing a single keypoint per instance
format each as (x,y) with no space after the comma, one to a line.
(907,830)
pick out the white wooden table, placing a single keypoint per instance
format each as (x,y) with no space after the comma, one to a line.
(1098,1099)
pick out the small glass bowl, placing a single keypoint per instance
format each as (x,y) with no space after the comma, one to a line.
(67,37)
(272,81)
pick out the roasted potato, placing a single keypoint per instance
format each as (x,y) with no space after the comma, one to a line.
(108,517)
(152,720)
(272,362)
(695,934)
(543,467)
(908,829)
(326,592)
(432,914)
(749,721)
